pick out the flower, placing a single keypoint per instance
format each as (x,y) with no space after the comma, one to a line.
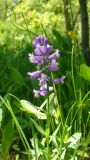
(39,60)
(40,41)
(54,55)
(43,92)
(36,93)
(43,79)
(53,66)
(46,61)
(35,59)
(62,79)
(32,58)
(45,87)
(59,80)
(42,50)
(35,74)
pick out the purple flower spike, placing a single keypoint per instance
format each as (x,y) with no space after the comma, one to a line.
(59,80)
(36,74)
(45,60)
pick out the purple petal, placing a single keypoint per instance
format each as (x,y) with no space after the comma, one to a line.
(31,58)
(49,48)
(53,66)
(37,51)
(37,41)
(40,41)
(43,92)
(62,79)
(54,55)
(36,93)
(50,89)
(35,74)
(45,41)
(36,59)
(39,60)
(43,79)
(43,49)
(59,80)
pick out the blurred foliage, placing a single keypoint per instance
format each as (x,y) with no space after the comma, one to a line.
(46,13)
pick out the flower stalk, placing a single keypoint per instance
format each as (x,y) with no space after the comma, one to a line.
(45,58)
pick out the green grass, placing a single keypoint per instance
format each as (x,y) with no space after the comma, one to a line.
(68,136)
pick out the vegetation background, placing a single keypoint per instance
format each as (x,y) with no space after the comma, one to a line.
(23,134)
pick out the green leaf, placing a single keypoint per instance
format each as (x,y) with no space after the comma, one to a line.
(30,108)
(57,35)
(53,136)
(0,116)
(38,127)
(16,76)
(73,140)
(47,132)
(63,154)
(7,139)
(85,71)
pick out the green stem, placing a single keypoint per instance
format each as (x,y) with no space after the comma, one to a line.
(57,102)
(72,69)
(48,123)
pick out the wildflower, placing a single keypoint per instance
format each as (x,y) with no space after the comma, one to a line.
(45,87)
(43,79)
(62,79)
(46,61)
(53,66)
(43,92)
(42,50)
(39,60)
(35,59)
(36,93)
(59,80)
(40,41)
(35,74)
(54,55)
(32,58)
